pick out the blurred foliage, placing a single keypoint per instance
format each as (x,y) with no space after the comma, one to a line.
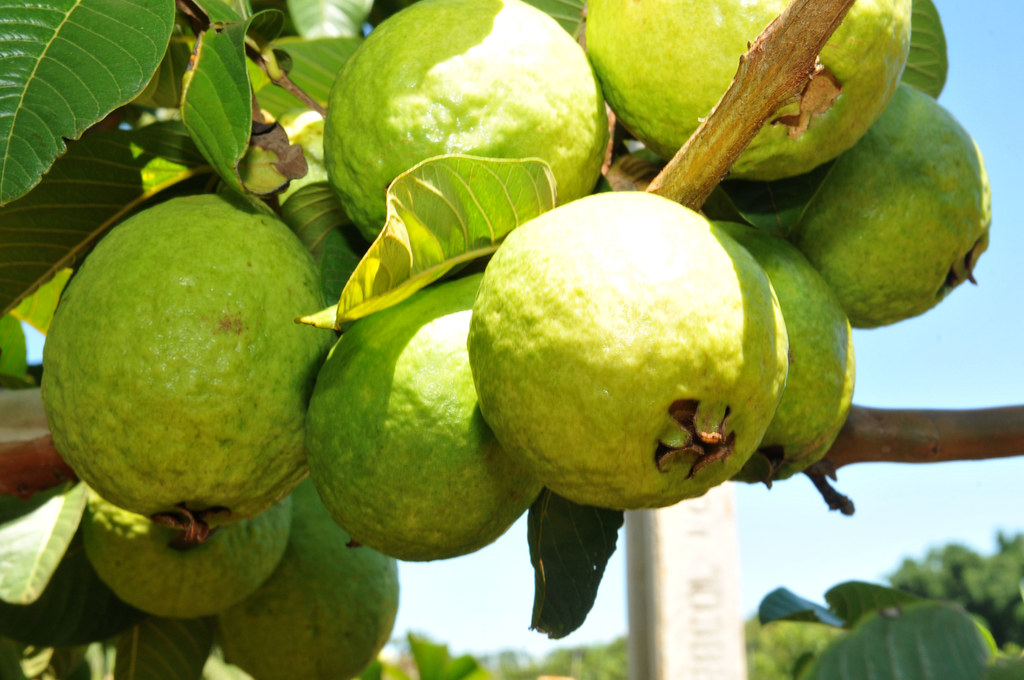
(591,662)
(775,649)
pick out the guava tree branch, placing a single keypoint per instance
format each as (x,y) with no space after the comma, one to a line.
(28,460)
(773,72)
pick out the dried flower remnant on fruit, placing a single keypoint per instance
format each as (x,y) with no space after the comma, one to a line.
(191,525)
(708,445)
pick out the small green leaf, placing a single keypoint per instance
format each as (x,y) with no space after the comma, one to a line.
(222,11)
(784,605)
(164,89)
(164,649)
(329,18)
(75,608)
(569,547)
(32,545)
(927,62)
(37,309)
(13,357)
(314,67)
(853,600)
(66,64)
(442,212)
(568,13)
(775,207)
(922,641)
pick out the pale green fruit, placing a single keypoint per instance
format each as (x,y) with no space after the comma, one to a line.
(628,352)
(397,446)
(306,129)
(494,78)
(135,558)
(663,65)
(819,387)
(175,372)
(326,611)
(902,217)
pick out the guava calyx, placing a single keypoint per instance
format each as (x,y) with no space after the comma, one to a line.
(191,525)
(964,271)
(710,441)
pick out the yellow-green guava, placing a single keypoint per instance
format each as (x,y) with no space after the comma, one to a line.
(397,446)
(136,558)
(819,387)
(176,377)
(325,612)
(663,65)
(628,352)
(306,129)
(902,217)
(493,78)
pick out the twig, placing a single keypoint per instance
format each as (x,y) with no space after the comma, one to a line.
(773,72)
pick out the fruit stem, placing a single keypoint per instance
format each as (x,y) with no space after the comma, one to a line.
(774,71)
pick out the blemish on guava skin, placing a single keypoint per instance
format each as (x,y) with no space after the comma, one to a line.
(707,446)
(230,324)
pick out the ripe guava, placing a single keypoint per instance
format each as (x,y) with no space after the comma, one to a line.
(325,612)
(663,65)
(305,128)
(396,444)
(819,387)
(176,377)
(902,217)
(494,78)
(627,351)
(137,559)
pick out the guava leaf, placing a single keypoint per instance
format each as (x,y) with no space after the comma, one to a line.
(32,545)
(75,608)
(66,64)
(434,662)
(778,206)
(222,11)
(164,649)
(13,357)
(922,641)
(217,668)
(37,309)
(568,13)
(10,660)
(569,547)
(101,179)
(853,600)
(164,89)
(329,18)
(314,66)
(784,605)
(927,63)
(1006,669)
(442,212)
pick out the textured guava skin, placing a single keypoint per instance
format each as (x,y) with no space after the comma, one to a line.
(396,444)
(133,557)
(594,318)
(819,386)
(663,64)
(175,372)
(902,217)
(326,611)
(492,78)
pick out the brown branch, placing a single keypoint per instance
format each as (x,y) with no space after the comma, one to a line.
(874,435)
(773,72)
(28,460)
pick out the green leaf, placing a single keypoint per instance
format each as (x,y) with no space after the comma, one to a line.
(442,212)
(32,545)
(13,357)
(923,641)
(314,66)
(775,207)
(66,65)
(10,660)
(853,600)
(37,309)
(784,605)
(569,547)
(217,668)
(164,649)
(75,608)
(101,179)
(927,63)
(216,104)
(568,13)
(164,88)
(1006,669)
(329,18)
(433,662)
(222,11)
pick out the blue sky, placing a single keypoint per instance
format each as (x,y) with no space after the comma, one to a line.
(965,353)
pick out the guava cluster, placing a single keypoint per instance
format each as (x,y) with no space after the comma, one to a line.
(620,350)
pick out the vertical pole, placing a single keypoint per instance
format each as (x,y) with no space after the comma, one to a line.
(683,586)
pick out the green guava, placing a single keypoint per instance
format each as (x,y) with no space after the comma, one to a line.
(397,446)
(137,560)
(325,612)
(902,217)
(819,387)
(493,78)
(663,65)
(305,128)
(627,351)
(176,377)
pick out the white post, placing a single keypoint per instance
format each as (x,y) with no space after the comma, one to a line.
(683,578)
